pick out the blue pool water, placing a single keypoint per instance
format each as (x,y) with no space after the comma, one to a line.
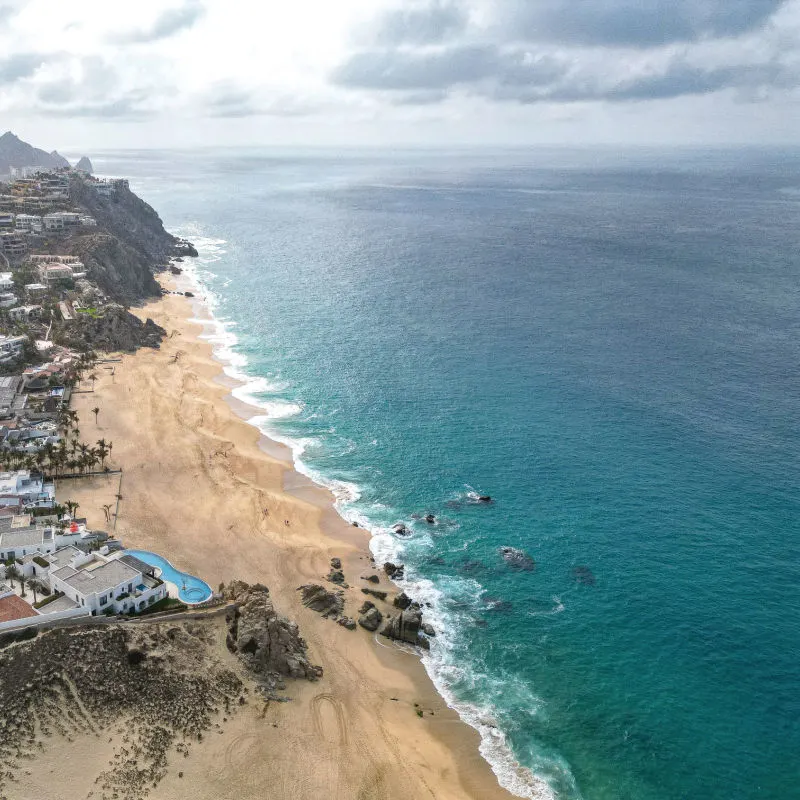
(608,344)
(191,590)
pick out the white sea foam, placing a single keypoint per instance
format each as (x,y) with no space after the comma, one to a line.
(385,546)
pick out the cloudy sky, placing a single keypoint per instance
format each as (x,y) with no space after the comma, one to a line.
(82,74)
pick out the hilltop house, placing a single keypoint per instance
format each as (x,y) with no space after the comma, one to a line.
(6,281)
(54,272)
(29,222)
(35,289)
(24,313)
(53,222)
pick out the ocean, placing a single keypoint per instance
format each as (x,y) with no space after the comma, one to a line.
(606,343)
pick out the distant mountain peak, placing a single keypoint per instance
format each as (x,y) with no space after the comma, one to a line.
(16,153)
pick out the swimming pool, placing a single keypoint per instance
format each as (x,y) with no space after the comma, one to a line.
(190,590)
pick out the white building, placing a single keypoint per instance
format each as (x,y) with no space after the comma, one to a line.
(53,222)
(6,282)
(26,489)
(28,222)
(103,584)
(11,347)
(8,299)
(54,271)
(35,289)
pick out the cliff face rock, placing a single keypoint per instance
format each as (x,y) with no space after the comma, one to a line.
(269,645)
(84,165)
(126,216)
(116,330)
(16,153)
(124,273)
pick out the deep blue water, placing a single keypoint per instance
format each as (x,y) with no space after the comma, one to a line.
(607,343)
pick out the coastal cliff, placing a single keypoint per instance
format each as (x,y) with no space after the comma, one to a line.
(124,273)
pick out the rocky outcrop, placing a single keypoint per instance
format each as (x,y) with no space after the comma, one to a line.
(116,330)
(402,601)
(84,165)
(269,645)
(517,559)
(406,627)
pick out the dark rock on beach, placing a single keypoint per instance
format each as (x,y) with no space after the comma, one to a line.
(372,579)
(347,622)
(318,598)
(517,559)
(336,576)
(375,593)
(336,563)
(430,519)
(402,601)
(370,619)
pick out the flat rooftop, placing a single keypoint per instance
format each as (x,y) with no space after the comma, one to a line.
(13,607)
(98,578)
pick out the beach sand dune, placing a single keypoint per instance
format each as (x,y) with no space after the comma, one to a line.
(198,488)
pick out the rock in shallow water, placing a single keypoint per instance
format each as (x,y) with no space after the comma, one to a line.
(394,570)
(518,559)
(406,627)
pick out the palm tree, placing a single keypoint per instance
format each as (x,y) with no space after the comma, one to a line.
(103,451)
(107,512)
(35,586)
(72,506)
(95,411)
(93,378)
(13,574)
(22,580)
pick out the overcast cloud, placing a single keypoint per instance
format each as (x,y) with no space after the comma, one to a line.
(402,71)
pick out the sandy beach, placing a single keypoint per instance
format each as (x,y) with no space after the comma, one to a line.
(201,487)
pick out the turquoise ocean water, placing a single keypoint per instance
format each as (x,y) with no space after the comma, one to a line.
(608,345)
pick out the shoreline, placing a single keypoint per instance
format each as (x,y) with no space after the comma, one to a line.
(515,780)
(228,460)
